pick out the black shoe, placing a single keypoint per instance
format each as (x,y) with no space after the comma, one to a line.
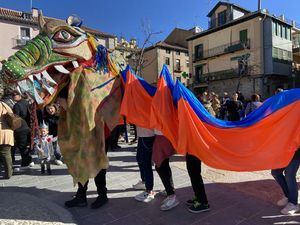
(100,201)
(191,202)
(76,202)
(198,207)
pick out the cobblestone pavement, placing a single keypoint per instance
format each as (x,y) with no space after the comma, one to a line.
(246,198)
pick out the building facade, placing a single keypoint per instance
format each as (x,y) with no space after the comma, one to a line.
(123,50)
(296,55)
(173,52)
(242,51)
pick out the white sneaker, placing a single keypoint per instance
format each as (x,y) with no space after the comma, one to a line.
(283,202)
(58,162)
(145,196)
(169,203)
(31,164)
(139,186)
(16,169)
(290,209)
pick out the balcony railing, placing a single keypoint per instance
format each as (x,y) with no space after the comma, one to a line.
(219,75)
(223,49)
(20,41)
(178,69)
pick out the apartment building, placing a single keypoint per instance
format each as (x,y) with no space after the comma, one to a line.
(17,27)
(173,51)
(242,50)
(296,55)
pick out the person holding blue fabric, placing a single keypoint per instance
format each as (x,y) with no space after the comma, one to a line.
(286,178)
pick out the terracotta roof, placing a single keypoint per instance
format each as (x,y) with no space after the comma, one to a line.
(17,16)
(27,18)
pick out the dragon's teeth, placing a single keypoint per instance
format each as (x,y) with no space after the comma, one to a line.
(48,77)
(61,69)
(23,85)
(38,76)
(31,78)
(19,89)
(75,64)
(37,97)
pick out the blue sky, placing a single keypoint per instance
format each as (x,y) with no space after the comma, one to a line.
(121,17)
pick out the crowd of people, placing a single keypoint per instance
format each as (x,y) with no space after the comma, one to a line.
(33,136)
(152,147)
(231,108)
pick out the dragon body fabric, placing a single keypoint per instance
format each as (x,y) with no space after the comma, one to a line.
(266,139)
(65,59)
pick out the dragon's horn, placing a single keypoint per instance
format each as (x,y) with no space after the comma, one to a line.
(41,20)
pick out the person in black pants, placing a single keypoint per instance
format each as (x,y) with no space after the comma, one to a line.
(165,174)
(162,151)
(80,199)
(200,202)
(22,134)
(144,160)
(22,137)
(115,134)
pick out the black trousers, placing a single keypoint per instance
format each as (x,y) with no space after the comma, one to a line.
(193,165)
(21,145)
(100,180)
(165,174)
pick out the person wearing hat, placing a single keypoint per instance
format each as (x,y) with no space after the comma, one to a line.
(44,147)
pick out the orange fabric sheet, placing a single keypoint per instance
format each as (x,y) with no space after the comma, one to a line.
(265,145)
(136,103)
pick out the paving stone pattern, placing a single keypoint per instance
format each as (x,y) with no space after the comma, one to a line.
(246,198)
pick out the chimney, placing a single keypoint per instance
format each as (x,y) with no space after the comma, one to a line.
(282,17)
(35,12)
(259,5)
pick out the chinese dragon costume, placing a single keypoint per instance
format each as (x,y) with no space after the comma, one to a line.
(64,58)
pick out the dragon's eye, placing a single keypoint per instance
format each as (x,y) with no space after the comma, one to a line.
(63,36)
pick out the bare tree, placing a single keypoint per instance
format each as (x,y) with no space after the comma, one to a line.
(139,55)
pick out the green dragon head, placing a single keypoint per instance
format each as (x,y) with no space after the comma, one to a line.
(43,66)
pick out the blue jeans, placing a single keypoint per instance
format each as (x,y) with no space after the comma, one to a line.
(287,181)
(144,160)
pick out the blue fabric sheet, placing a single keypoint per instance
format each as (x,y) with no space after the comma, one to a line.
(268,107)
(149,88)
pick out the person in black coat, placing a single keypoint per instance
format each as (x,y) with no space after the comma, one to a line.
(233,108)
(51,119)
(22,134)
